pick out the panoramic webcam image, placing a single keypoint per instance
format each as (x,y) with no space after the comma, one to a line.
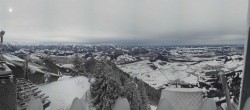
(124,55)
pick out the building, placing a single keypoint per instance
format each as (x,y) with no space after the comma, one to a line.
(7,88)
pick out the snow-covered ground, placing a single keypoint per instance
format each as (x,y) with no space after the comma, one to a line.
(153,107)
(124,59)
(62,93)
(69,66)
(189,72)
(162,75)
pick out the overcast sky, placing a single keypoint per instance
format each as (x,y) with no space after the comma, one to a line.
(165,22)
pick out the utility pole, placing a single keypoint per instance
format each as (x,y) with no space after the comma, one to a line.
(245,83)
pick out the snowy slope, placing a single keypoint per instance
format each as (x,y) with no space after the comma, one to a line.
(189,72)
(162,75)
(62,93)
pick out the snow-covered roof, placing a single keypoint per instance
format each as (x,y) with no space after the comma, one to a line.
(20,62)
(6,71)
(12,57)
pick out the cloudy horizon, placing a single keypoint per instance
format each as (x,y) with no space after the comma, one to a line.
(165,22)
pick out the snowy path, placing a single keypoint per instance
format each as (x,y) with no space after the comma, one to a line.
(62,93)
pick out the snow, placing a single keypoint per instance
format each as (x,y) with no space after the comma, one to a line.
(183,89)
(13,59)
(37,68)
(122,104)
(247,105)
(153,107)
(34,67)
(164,105)
(77,105)
(62,93)
(181,99)
(208,104)
(34,57)
(162,75)
(63,78)
(189,72)
(10,64)
(35,104)
(233,64)
(20,62)
(124,58)
(69,66)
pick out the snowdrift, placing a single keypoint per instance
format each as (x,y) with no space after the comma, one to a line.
(63,92)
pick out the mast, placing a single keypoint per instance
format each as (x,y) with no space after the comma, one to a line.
(245,85)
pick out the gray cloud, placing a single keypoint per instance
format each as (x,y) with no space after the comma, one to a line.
(164,21)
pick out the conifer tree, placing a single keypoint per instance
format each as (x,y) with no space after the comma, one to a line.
(133,95)
(143,95)
(104,91)
(78,65)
